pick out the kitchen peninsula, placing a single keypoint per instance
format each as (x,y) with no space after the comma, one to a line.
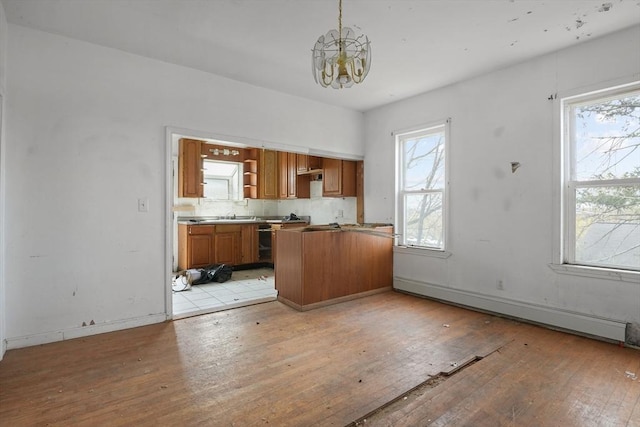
(322,265)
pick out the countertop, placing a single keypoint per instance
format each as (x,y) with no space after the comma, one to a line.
(209,220)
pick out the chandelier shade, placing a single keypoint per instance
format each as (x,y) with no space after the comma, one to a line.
(341,58)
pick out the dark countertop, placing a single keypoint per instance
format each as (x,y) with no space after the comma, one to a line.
(212,220)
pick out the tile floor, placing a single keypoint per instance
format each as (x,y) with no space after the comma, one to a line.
(246,287)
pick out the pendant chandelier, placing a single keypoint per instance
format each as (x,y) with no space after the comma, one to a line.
(341,58)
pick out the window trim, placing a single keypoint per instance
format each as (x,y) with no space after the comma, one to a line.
(443,252)
(564,200)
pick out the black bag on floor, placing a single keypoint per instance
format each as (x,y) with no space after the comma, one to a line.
(214,273)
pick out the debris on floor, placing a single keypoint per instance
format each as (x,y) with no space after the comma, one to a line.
(630,375)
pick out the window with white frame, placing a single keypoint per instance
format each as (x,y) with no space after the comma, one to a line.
(601,200)
(420,186)
(222,180)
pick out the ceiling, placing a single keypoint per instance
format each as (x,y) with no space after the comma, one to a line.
(417,45)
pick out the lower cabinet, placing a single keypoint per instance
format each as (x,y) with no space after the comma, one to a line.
(226,242)
(195,245)
(202,245)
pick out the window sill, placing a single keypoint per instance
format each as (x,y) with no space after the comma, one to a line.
(433,253)
(597,272)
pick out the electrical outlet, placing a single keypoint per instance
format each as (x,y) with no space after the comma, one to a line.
(340,213)
(500,285)
(143,205)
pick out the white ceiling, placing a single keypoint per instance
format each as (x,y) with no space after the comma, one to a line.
(417,45)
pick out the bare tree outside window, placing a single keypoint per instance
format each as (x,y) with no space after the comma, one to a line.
(421,189)
(605,181)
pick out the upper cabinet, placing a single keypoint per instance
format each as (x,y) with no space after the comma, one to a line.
(268,174)
(308,164)
(190,177)
(287,175)
(339,178)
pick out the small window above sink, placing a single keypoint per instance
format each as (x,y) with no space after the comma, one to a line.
(222,180)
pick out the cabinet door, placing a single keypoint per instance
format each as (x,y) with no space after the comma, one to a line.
(190,169)
(227,241)
(292,175)
(283,175)
(339,178)
(268,174)
(287,175)
(249,244)
(195,246)
(201,253)
(332,177)
(305,163)
(302,161)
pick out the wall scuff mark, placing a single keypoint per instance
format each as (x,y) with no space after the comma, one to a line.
(606,7)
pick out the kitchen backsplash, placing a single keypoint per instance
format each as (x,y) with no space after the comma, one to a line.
(322,210)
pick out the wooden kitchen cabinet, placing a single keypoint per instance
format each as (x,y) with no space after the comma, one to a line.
(268,174)
(249,244)
(227,244)
(287,175)
(190,179)
(339,178)
(306,163)
(274,234)
(202,245)
(324,265)
(195,246)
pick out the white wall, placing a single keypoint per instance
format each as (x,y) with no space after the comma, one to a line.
(3,74)
(503,225)
(85,139)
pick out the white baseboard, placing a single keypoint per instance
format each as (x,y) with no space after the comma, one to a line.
(83,331)
(554,317)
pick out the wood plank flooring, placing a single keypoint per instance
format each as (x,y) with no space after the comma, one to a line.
(269,364)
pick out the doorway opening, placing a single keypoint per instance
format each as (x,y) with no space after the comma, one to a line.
(221,197)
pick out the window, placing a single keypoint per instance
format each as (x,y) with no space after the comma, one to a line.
(421,182)
(222,180)
(601,142)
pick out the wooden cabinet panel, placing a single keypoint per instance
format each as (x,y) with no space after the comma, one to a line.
(202,245)
(190,177)
(195,246)
(227,241)
(339,178)
(249,244)
(227,248)
(201,252)
(283,175)
(287,175)
(306,163)
(318,266)
(268,174)
(292,176)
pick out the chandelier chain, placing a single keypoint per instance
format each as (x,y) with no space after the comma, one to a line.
(340,20)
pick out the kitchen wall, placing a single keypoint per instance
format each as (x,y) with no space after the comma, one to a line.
(86,138)
(3,80)
(503,225)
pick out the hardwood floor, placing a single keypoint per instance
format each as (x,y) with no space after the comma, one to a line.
(270,364)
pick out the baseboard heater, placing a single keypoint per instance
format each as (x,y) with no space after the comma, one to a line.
(553,317)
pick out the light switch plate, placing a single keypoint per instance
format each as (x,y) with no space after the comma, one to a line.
(143,204)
